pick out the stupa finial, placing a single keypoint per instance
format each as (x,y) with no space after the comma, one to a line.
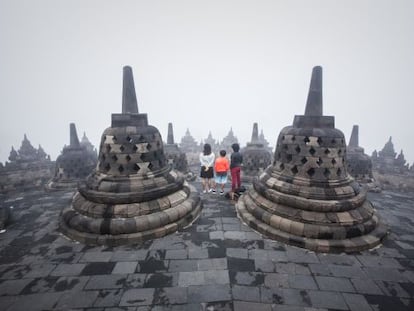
(255,133)
(170,136)
(314,102)
(74,140)
(129,98)
(354,140)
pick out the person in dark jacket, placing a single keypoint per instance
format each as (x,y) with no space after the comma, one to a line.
(236,160)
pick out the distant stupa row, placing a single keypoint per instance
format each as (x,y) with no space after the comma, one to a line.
(133,195)
(306,197)
(28,168)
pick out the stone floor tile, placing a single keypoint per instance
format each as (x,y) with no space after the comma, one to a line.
(356,302)
(171,296)
(206,293)
(330,300)
(237,252)
(182,265)
(302,282)
(328,283)
(13,287)
(68,269)
(42,301)
(216,277)
(111,281)
(96,257)
(365,286)
(130,256)
(40,270)
(245,293)
(212,264)
(191,278)
(72,299)
(125,267)
(137,297)
(176,254)
(95,268)
(346,271)
(108,298)
(276,280)
(160,280)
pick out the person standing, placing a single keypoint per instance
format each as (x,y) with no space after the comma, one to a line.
(207,158)
(236,160)
(221,167)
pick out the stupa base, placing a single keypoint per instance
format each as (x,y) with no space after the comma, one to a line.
(279,232)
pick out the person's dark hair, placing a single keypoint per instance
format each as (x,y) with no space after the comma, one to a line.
(235,147)
(207,149)
(223,153)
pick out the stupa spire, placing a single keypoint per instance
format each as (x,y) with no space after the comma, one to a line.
(74,140)
(170,136)
(129,98)
(255,133)
(314,102)
(354,140)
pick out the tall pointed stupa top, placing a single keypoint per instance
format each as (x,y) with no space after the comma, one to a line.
(129,98)
(255,133)
(314,102)
(74,140)
(170,136)
(129,115)
(354,140)
(313,117)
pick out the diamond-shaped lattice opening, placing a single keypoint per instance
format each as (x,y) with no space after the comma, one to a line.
(286,147)
(107,167)
(297,149)
(319,161)
(306,139)
(333,141)
(338,172)
(289,157)
(294,170)
(149,147)
(333,161)
(115,158)
(128,158)
(327,151)
(150,166)
(281,166)
(304,160)
(136,167)
(311,172)
(120,168)
(129,139)
(122,148)
(326,173)
(293,138)
(339,151)
(158,144)
(103,157)
(312,151)
(141,138)
(319,140)
(135,148)
(283,137)
(108,148)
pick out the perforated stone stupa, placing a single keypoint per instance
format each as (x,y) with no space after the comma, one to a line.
(28,168)
(307,198)
(173,153)
(73,164)
(133,195)
(255,157)
(359,164)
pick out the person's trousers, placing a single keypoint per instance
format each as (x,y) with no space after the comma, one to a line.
(235,178)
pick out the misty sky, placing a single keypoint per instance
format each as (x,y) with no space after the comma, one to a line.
(205,65)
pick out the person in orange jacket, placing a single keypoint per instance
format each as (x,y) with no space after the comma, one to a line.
(221,167)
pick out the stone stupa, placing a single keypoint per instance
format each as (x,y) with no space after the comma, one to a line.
(133,195)
(359,164)
(29,168)
(73,164)
(256,157)
(173,153)
(306,197)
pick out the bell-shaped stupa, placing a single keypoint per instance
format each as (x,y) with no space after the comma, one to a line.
(359,164)
(72,165)
(256,157)
(133,195)
(307,198)
(173,153)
